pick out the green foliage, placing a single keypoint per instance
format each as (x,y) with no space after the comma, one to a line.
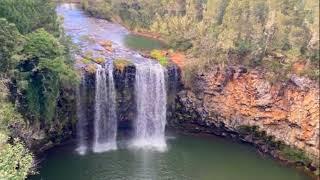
(99,60)
(15,161)
(295,155)
(86,61)
(44,70)
(41,44)
(101,9)
(121,64)
(136,14)
(163,61)
(289,153)
(29,15)
(243,47)
(8,114)
(160,56)
(156,54)
(10,45)
(181,45)
(247,29)
(278,71)
(91,68)
(35,55)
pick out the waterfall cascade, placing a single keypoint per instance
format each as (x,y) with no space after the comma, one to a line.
(151,105)
(105,120)
(82,119)
(150,93)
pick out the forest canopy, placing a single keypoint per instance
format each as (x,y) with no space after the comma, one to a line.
(35,67)
(269,34)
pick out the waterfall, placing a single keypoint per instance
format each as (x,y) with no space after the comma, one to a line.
(82,119)
(105,120)
(150,93)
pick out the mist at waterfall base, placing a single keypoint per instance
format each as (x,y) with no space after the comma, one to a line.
(150,119)
(150,93)
(187,158)
(135,157)
(105,117)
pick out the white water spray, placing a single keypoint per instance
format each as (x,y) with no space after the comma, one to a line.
(82,119)
(151,98)
(105,124)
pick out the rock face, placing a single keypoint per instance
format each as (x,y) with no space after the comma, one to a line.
(124,79)
(224,100)
(126,106)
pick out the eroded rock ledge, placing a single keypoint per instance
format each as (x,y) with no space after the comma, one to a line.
(225,102)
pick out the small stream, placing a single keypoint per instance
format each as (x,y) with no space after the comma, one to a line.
(184,157)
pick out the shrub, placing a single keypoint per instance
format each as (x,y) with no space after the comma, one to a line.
(99,60)
(121,64)
(243,47)
(45,70)
(181,45)
(160,57)
(85,61)
(91,68)
(15,161)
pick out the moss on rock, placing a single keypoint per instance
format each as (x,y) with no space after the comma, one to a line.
(121,64)
(91,68)
(287,152)
(160,56)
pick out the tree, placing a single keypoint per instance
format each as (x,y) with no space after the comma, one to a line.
(11,43)
(15,160)
(215,10)
(194,9)
(42,72)
(29,15)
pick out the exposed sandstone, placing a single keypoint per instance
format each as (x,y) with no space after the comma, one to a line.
(235,97)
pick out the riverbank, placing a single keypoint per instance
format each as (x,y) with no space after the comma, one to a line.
(240,103)
(257,110)
(263,147)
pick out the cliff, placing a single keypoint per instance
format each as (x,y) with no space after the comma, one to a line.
(224,102)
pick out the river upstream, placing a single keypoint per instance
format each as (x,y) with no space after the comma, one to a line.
(159,156)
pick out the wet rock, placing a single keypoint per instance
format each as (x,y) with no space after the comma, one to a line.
(124,83)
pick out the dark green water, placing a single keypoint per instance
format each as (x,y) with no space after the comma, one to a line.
(188,158)
(138,42)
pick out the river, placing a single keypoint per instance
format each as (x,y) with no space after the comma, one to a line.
(185,157)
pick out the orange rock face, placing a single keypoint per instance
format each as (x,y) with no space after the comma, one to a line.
(285,111)
(178,58)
